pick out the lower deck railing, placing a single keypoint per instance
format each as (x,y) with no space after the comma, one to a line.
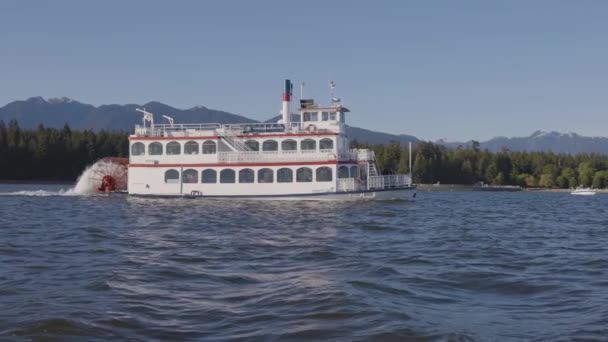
(373,182)
(269,156)
(389,181)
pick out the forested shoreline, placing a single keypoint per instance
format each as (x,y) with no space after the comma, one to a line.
(62,154)
(54,154)
(434,163)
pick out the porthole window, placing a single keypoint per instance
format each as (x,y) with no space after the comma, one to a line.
(227,176)
(304,175)
(171,176)
(253,145)
(174,148)
(343,172)
(265,176)
(138,149)
(191,147)
(190,176)
(326,144)
(324,174)
(285,175)
(289,145)
(209,176)
(270,145)
(308,145)
(246,176)
(209,147)
(155,149)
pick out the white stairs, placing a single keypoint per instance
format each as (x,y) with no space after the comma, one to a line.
(229,136)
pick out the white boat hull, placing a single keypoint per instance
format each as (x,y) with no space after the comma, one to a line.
(404,193)
(583,193)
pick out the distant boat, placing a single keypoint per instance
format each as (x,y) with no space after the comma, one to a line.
(583,192)
(480,186)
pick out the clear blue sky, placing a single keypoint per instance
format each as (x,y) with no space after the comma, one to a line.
(435,69)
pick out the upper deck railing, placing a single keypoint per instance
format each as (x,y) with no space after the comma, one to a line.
(193,130)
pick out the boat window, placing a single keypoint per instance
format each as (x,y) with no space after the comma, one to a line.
(155,149)
(324,174)
(304,174)
(191,147)
(289,145)
(270,145)
(138,149)
(325,116)
(326,144)
(173,148)
(253,145)
(343,172)
(209,176)
(246,176)
(308,144)
(190,176)
(306,116)
(227,176)
(342,117)
(265,176)
(171,176)
(354,172)
(332,116)
(209,147)
(284,175)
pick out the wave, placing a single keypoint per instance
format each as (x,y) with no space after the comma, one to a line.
(42,193)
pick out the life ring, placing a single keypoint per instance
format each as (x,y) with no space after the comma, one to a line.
(311,128)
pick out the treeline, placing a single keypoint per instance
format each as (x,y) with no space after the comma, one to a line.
(54,154)
(468,165)
(62,154)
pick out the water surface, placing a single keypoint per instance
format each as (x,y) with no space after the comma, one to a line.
(463,266)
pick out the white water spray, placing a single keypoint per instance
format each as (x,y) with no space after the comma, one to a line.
(91,177)
(87,182)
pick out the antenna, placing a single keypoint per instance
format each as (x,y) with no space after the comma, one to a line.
(410,162)
(302,85)
(170,119)
(332,86)
(147,117)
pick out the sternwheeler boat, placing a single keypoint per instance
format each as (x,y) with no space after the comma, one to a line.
(308,160)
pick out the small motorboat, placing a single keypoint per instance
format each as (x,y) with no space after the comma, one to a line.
(583,192)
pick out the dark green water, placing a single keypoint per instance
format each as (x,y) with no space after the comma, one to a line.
(449,266)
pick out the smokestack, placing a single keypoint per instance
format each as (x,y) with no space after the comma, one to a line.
(286,100)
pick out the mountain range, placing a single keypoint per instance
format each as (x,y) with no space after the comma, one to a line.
(56,112)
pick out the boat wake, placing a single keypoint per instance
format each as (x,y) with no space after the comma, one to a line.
(41,193)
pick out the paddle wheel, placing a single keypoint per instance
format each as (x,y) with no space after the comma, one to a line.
(111,174)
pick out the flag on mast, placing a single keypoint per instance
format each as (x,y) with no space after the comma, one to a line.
(332,85)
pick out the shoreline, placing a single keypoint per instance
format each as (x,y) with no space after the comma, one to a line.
(466,187)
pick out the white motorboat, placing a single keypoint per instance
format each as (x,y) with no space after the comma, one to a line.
(583,192)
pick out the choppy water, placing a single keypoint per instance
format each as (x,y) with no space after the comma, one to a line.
(449,266)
